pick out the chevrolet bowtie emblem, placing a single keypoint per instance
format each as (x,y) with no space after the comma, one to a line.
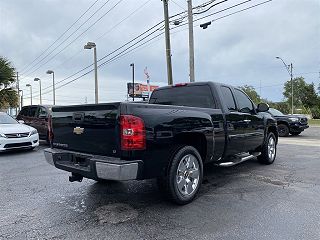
(78,130)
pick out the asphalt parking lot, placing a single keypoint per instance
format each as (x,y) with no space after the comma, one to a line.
(248,201)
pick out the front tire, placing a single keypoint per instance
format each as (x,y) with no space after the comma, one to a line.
(184,177)
(269,150)
(283,130)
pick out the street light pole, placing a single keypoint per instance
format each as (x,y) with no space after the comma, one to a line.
(167,37)
(90,45)
(191,42)
(291,79)
(53,85)
(30,86)
(132,65)
(38,80)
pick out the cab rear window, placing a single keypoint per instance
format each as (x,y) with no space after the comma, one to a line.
(190,96)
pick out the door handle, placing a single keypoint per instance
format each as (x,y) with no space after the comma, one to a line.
(247,120)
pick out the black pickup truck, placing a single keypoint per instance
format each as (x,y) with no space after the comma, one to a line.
(171,138)
(293,124)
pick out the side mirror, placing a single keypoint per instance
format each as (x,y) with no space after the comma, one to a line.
(262,107)
(21,121)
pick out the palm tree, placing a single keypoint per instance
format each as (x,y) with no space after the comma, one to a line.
(8,96)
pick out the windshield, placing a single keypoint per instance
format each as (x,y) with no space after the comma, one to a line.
(6,119)
(275,112)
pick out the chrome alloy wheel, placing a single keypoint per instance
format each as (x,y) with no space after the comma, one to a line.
(271,148)
(188,175)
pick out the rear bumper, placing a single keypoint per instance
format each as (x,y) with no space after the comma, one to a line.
(94,167)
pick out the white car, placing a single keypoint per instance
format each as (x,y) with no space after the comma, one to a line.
(16,135)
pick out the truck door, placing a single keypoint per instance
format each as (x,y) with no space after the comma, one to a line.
(253,123)
(235,123)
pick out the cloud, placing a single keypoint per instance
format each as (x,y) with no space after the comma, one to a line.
(239,49)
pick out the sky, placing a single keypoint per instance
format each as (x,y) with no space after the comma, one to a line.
(238,49)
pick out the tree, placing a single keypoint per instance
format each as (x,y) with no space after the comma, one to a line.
(304,94)
(252,93)
(8,96)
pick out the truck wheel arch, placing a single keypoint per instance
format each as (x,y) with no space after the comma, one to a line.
(274,130)
(196,140)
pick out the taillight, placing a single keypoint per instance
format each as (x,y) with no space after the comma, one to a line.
(133,133)
(50,131)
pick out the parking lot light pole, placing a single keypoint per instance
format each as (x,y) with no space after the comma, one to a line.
(289,70)
(90,45)
(38,80)
(132,65)
(53,85)
(30,86)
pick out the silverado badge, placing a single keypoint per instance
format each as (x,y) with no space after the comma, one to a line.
(78,130)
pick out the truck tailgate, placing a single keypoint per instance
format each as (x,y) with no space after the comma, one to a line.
(87,128)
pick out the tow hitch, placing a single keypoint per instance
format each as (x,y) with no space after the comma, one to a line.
(75,177)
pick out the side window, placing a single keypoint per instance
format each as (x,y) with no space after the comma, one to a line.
(33,111)
(24,112)
(245,104)
(228,98)
(42,111)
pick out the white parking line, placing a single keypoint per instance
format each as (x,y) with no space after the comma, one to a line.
(302,142)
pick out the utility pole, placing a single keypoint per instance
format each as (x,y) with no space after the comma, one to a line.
(18,90)
(291,88)
(21,100)
(289,70)
(191,42)
(132,65)
(167,37)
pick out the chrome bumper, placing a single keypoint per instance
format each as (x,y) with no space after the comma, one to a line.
(98,167)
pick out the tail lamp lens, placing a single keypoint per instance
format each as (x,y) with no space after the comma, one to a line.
(133,133)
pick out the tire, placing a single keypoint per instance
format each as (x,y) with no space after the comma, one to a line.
(184,176)
(295,133)
(283,130)
(269,150)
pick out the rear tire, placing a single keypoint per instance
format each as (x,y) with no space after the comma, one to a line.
(184,177)
(283,130)
(269,150)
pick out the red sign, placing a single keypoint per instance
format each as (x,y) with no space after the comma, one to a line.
(140,90)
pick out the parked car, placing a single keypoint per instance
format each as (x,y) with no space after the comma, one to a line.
(170,138)
(15,135)
(37,117)
(289,124)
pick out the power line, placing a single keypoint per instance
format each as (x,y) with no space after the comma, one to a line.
(26,73)
(123,52)
(114,51)
(101,36)
(25,67)
(121,21)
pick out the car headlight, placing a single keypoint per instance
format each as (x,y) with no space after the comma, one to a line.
(2,135)
(33,132)
(294,119)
